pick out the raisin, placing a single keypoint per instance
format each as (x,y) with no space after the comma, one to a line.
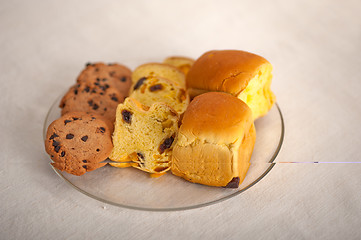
(95,106)
(53,136)
(84,138)
(127,116)
(62,154)
(69,136)
(156,87)
(140,156)
(166,144)
(233,183)
(87,89)
(57,148)
(139,83)
(123,79)
(67,121)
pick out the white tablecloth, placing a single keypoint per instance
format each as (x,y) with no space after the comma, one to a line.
(315,48)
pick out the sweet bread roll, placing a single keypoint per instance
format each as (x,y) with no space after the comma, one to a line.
(244,75)
(143,136)
(155,89)
(159,70)
(182,63)
(215,141)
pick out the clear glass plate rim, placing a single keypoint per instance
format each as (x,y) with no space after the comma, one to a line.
(271,161)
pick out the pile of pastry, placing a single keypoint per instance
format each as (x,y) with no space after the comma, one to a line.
(193,118)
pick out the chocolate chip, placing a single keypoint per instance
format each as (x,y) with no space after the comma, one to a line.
(112,73)
(156,87)
(57,148)
(87,89)
(166,144)
(127,116)
(53,136)
(97,69)
(140,156)
(69,136)
(85,166)
(62,154)
(98,79)
(139,83)
(102,129)
(55,143)
(114,98)
(123,79)
(76,91)
(96,84)
(95,106)
(98,150)
(104,79)
(93,118)
(84,138)
(110,64)
(75,118)
(94,91)
(101,93)
(105,109)
(67,121)
(90,102)
(88,64)
(233,183)
(85,161)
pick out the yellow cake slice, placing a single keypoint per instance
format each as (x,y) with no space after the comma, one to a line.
(182,63)
(144,136)
(159,70)
(156,89)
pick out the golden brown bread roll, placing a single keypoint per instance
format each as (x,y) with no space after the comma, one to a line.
(244,75)
(215,141)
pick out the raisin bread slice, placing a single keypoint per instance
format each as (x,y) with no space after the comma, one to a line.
(182,63)
(159,70)
(156,89)
(143,136)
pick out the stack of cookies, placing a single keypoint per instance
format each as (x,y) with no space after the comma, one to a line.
(194,118)
(80,140)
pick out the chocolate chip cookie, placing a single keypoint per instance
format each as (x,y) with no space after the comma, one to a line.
(102,100)
(78,142)
(100,74)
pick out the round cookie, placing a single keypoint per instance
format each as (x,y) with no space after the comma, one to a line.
(92,99)
(114,75)
(78,142)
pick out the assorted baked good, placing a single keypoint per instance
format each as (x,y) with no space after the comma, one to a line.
(159,70)
(144,136)
(215,141)
(182,63)
(245,75)
(193,117)
(78,142)
(156,89)
(105,75)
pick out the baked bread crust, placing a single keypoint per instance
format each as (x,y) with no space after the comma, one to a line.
(215,140)
(244,75)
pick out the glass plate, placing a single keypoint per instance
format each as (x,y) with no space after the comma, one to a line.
(132,188)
